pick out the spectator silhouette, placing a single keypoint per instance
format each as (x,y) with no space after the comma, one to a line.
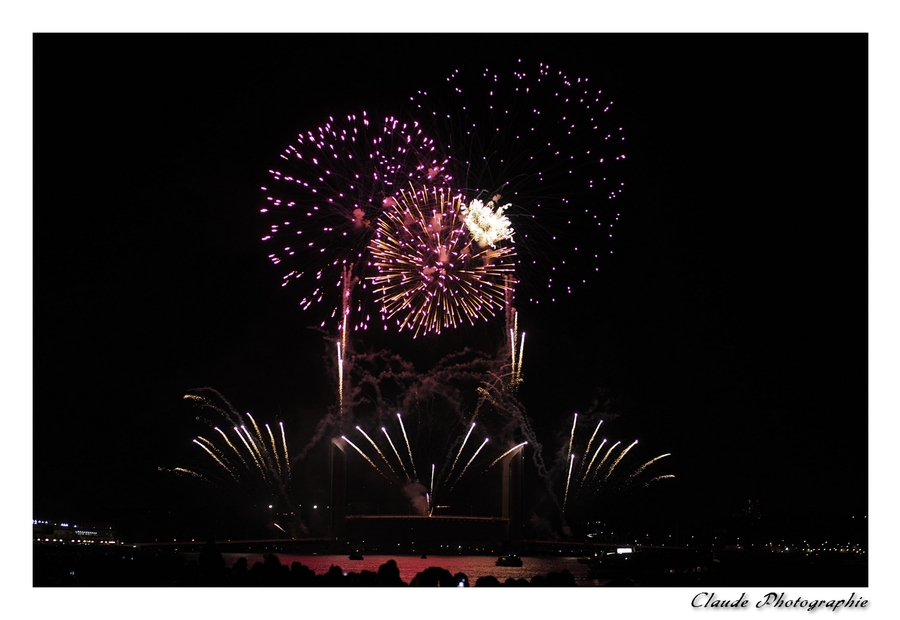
(389,574)
(211,568)
(434,576)
(487,581)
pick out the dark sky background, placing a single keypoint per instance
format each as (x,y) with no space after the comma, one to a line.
(731,322)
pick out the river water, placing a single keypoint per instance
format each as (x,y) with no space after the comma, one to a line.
(474,566)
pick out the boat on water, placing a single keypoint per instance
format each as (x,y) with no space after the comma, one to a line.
(509,560)
(356,556)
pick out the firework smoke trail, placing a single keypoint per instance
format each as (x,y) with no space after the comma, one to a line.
(217,459)
(287,459)
(328,189)
(568,478)
(394,448)
(619,458)
(430,272)
(463,472)
(505,402)
(463,445)
(500,458)
(408,448)
(274,451)
(377,449)
(363,454)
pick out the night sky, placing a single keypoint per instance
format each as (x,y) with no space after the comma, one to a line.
(730,323)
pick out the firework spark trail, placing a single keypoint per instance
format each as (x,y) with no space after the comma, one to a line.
(249,449)
(652,480)
(258,453)
(256,428)
(637,472)
(215,449)
(261,446)
(568,478)
(231,415)
(377,449)
(364,455)
(500,458)
(588,449)
(274,451)
(463,445)
(463,472)
(516,363)
(572,436)
(347,282)
(394,448)
(593,458)
(618,459)
(605,456)
(408,448)
(287,459)
(182,470)
(280,528)
(236,451)
(521,357)
(217,459)
(340,360)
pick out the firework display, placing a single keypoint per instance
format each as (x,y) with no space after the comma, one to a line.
(548,145)
(604,476)
(426,217)
(432,273)
(427,224)
(245,455)
(330,187)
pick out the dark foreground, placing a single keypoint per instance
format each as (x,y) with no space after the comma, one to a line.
(126,566)
(121,568)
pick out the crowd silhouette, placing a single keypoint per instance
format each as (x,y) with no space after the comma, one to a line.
(112,568)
